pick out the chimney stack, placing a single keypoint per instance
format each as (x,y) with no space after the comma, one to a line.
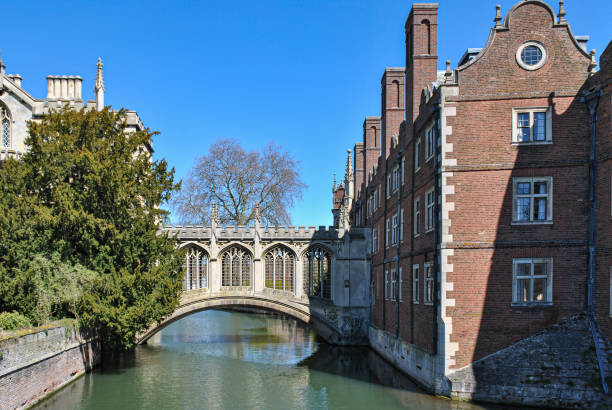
(16,79)
(392,108)
(64,87)
(371,144)
(421,55)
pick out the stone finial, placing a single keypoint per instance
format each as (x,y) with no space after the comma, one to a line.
(257,214)
(99,86)
(562,13)
(593,63)
(498,17)
(214,214)
(334,188)
(348,175)
(448,74)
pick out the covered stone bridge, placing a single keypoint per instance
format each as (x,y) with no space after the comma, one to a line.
(320,276)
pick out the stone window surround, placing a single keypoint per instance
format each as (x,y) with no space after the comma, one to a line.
(417,154)
(429,210)
(531,110)
(430,139)
(549,203)
(549,281)
(528,67)
(415,284)
(417,217)
(5,115)
(428,281)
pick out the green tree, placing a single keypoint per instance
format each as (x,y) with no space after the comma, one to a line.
(87,196)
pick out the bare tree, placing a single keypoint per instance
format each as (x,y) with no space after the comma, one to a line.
(239,181)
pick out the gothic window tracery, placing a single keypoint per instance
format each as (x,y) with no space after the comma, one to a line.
(196,269)
(236,265)
(279,269)
(317,272)
(5,123)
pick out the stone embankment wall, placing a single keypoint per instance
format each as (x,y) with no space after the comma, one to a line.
(34,365)
(553,368)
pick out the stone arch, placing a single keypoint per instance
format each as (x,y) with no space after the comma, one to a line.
(236,243)
(196,266)
(6,127)
(317,270)
(280,263)
(300,312)
(236,266)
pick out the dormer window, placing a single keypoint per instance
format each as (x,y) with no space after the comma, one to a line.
(5,123)
(531,55)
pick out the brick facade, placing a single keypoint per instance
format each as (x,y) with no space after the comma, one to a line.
(458,150)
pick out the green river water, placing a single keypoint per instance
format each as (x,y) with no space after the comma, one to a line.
(230,360)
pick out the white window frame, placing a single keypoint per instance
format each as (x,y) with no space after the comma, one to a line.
(417,217)
(429,210)
(428,281)
(415,284)
(387,231)
(399,285)
(417,154)
(403,168)
(531,110)
(388,186)
(532,196)
(549,281)
(386,284)
(394,229)
(393,284)
(374,240)
(401,226)
(429,143)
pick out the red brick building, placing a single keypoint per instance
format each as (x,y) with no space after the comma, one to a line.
(475,182)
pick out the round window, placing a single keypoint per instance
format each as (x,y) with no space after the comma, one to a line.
(531,55)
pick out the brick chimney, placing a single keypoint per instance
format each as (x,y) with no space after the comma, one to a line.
(392,107)
(421,55)
(371,144)
(359,169)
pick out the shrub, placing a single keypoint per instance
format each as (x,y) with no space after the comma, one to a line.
(13,320)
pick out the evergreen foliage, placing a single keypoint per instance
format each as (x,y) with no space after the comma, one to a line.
(13,320)
(78,220)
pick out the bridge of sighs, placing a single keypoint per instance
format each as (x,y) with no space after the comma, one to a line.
(318,275)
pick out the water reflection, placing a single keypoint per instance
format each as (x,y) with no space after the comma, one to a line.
(230,360)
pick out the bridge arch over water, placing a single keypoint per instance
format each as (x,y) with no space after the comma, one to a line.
(324,275)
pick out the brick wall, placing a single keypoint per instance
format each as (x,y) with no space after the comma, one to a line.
(35,365)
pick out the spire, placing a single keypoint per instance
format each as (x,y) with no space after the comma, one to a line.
(214,214)
(334,188)
(99,87)
(348,175)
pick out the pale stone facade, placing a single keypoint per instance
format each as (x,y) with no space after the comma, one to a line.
(18,107)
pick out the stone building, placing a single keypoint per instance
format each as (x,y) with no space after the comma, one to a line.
(487,231)
(18,107)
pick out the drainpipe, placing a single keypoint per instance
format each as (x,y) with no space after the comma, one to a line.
(398,246)
(372,290)
(592,102)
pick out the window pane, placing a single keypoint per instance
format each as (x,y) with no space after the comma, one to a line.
(522,209)
(540,269)
(531,55)
(523,188)
(523,269)
(539,209)
(539,126)
(539,290)
(523,119)
(522,290)
(540,187)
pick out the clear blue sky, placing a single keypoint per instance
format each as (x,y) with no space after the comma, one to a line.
(303,74)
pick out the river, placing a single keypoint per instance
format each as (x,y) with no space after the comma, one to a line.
(231,360)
